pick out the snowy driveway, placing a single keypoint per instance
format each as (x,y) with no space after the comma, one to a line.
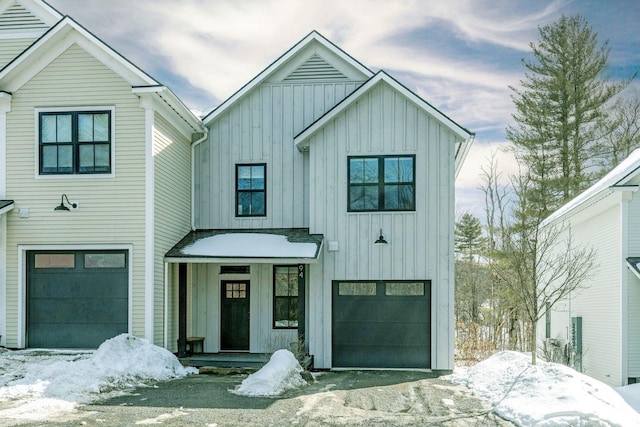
(336,398)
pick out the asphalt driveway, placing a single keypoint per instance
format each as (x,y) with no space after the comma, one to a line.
(335,398)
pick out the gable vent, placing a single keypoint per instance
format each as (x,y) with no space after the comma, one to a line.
(17,17)
(315,68)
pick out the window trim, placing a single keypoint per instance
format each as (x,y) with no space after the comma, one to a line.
(273,313)
(238,191)
(380,183)
(76,109)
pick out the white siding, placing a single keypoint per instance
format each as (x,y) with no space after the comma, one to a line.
(111,210)
(10,48)
(260,129)
(204,308)
(383,122)
(172,161)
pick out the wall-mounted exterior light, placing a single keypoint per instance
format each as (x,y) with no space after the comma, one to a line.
(381,240)
(62,206)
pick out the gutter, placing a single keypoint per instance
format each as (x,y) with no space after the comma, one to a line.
(193,176)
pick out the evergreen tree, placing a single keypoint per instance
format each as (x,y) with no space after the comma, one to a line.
(558,107)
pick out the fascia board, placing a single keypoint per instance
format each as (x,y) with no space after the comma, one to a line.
(6,209)
(66,33)
(169,106)
(237,260)
(304,136)
(264,75)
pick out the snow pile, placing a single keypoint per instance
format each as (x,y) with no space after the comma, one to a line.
(631,393)
(54,382)
(280,374)
(547,394)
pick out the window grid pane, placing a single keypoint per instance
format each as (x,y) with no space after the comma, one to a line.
(381,183)
(285,303)
(251,190)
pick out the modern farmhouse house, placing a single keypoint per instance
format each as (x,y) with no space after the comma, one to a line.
(601,321)
(313,209)
(323,215)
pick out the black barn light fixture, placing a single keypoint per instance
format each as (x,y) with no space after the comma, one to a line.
(381,240)
(62,206)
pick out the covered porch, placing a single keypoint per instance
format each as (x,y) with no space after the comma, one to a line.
(244,292)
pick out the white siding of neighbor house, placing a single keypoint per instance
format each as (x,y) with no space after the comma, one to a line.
(10,48)
(111,209)
(260,128)
(384,122)
(172,162)
(633,284)
(599,301)
(203,318)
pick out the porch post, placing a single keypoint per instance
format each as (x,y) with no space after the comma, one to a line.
(182,310)
(301,311)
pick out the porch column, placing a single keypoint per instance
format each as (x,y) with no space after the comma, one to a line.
(182,310)
(302,339)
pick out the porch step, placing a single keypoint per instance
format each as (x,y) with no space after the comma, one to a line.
(227,360)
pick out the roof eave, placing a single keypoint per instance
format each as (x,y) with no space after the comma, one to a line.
(238,260)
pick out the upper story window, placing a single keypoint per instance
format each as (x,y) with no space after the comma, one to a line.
(75,142)
(251,190)
(382,183)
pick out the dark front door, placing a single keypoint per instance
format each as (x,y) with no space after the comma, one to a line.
(234,315)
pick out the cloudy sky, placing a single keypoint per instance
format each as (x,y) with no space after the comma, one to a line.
(459,55)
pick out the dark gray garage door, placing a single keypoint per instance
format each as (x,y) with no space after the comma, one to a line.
(76,299)
(381,324)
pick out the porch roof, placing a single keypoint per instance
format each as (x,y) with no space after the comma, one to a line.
(634,264)
(5,206)
(292,245)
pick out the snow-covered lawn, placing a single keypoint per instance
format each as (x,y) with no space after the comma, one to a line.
(41,384)
(547,394)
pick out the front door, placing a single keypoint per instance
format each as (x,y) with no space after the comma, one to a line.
(234,316)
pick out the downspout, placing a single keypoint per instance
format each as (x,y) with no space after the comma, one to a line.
(193,176)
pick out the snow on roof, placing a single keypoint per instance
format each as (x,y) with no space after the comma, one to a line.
(617,176)
(251,244)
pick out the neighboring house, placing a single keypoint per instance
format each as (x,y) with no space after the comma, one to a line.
(601,321)
(82,126)
(324,216)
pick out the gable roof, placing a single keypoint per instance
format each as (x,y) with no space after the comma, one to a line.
(312,37)
(5,206)
(68,32)
(302,140)
(24,18)
(618,177)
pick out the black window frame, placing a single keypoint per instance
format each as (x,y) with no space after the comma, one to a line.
(251,191)
(380,184)
(76,167)
(293,271)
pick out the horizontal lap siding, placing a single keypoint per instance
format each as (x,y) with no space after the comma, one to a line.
(172,162)
(599,303)
(420,247)
(10,48)
(111,210)
(260,129)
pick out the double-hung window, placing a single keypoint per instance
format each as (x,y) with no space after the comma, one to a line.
(381,183)
(285,299)
(251,190)
(75,142)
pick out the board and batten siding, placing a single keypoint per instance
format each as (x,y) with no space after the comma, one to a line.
(204,308)
(384,122)
(111,209)
(10,48)
(260,128)
(633,286)
(172,163)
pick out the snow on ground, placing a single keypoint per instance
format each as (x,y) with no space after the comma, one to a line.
(547,394)
(280,374)
(40,384)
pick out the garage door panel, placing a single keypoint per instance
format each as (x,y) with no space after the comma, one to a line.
(73,335)
(76,307)
(61,311)
(382,329)
(378,356)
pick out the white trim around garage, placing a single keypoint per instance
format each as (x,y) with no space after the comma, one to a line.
(22,279)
